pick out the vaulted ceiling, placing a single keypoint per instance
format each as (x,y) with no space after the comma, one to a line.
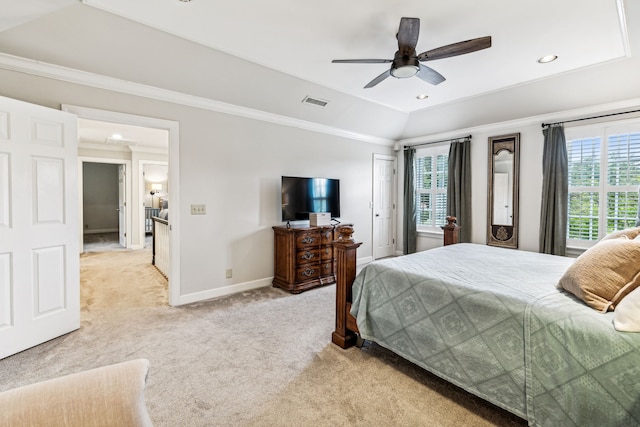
(268,56)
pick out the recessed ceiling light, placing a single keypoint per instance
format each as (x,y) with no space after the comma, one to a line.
(548,58)
(422,96)
(116,136)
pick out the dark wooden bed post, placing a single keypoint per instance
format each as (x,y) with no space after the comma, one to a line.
(345,247)
(451,231)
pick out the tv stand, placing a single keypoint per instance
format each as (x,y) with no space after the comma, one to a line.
(304,257)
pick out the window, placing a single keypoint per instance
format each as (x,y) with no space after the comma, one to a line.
(604,179)
(431,175)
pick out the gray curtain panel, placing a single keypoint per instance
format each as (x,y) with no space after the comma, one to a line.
(459,187)
(555,187)
(638,214)
(410,232)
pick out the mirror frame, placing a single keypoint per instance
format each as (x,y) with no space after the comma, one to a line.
(502,235)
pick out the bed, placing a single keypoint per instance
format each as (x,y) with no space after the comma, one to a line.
(492,321)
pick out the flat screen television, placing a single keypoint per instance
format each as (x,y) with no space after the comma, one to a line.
(301,196)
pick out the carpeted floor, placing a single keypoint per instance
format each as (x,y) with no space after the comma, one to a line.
(259,358)
(106,242)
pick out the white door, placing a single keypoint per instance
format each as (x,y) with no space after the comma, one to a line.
(383,206)
(39,230)
(122,205)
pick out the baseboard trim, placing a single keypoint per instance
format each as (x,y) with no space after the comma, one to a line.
(242,287)
(223,291)
(100,230)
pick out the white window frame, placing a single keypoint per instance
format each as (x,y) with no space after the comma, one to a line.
(434,151)
(602,131)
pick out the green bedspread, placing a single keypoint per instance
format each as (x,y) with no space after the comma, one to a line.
(491,321)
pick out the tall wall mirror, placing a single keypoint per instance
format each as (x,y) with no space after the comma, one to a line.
(502,208)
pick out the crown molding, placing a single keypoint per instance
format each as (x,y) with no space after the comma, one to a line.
(558,116)
(71,75)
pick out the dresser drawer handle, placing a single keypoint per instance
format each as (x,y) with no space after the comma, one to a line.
(308,239)
(307,255)
(308,272)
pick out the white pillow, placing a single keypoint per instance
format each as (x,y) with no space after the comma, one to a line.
(626,316)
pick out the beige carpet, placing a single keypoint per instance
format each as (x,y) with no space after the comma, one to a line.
(260,358)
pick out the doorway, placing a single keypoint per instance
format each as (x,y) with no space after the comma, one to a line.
(104,204)
(154,180)
(384,206)
(135,149)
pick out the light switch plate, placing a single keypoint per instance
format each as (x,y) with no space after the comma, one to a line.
(198,209)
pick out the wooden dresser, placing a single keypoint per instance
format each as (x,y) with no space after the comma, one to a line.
(304,257)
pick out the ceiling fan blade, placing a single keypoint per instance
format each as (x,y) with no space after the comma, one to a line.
(360,61)
(378,79)
(408,35)
(456,49)
(430,75)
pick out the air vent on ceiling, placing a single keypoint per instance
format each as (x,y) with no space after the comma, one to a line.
(315,101)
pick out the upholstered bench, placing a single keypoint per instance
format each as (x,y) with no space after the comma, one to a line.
(107,396)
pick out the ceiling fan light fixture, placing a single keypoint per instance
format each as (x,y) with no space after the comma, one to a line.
(405,71)
(404,66)
(547,58)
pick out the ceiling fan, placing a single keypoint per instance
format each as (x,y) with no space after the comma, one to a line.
(406,63)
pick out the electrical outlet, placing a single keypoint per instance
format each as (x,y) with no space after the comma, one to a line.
(229,273)
(198,209)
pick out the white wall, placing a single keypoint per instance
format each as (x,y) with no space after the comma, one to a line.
(232,165)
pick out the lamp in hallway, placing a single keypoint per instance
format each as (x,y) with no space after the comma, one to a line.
(156,188)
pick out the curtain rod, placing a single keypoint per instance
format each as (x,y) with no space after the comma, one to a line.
(436,142)
(589,118)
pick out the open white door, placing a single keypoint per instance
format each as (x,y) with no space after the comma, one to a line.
(384,169)
(39,231)
(122,205)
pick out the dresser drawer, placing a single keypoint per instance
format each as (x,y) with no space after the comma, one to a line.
(327,236)
(308,238)
(326,253)
(326,268)
(307,272)
(308,255)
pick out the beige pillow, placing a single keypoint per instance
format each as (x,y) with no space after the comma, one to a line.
(605,273)
(626,317)
(629,233)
